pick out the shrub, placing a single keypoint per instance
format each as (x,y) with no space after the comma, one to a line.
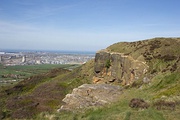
(138,103)
(161,104)
(108,63)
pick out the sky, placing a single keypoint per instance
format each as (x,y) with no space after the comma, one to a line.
(84,25)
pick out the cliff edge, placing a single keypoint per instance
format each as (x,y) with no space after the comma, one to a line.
(126,62)
(114,67)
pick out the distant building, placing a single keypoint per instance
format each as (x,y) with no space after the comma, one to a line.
(24,59)
(0,59)
(38,62)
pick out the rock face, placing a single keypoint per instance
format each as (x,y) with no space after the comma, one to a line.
(117,67)
(88,95)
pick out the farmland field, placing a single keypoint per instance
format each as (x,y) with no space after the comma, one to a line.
(14,74)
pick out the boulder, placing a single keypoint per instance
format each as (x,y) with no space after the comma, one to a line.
(90,95)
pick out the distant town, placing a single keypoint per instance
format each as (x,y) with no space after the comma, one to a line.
(41,57)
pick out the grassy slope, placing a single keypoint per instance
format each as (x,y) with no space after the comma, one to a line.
(164,72)
(120,110)
(154,46)
(43,92)
(162,55)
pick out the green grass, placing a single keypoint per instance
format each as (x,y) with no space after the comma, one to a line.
(33,68)
(52,103)
(166,84)
(135,49)
(116,111)
(121,110)
(149,114)
(48,89)
(28,70)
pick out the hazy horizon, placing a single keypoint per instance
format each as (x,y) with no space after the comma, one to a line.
(84,25)
(75,52)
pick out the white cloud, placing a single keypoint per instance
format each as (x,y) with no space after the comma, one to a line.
(25,36)
(8,27)
(44,11)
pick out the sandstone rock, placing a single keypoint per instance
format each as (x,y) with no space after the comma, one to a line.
(89,95)
(122,68)
(100,60)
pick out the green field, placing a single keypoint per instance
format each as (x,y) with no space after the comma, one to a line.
(14,74)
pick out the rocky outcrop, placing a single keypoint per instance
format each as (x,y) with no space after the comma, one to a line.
(89,95)
(117,67)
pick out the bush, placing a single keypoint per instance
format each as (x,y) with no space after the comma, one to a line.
(108,64)
(138,103)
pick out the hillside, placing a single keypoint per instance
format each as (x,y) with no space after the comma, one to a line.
(156,47)
(146,70)
(43,92)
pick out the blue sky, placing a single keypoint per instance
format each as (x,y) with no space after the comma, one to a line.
(84,25)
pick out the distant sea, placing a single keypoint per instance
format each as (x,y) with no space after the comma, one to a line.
(50,51)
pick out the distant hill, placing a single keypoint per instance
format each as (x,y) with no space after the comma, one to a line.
(146,70)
